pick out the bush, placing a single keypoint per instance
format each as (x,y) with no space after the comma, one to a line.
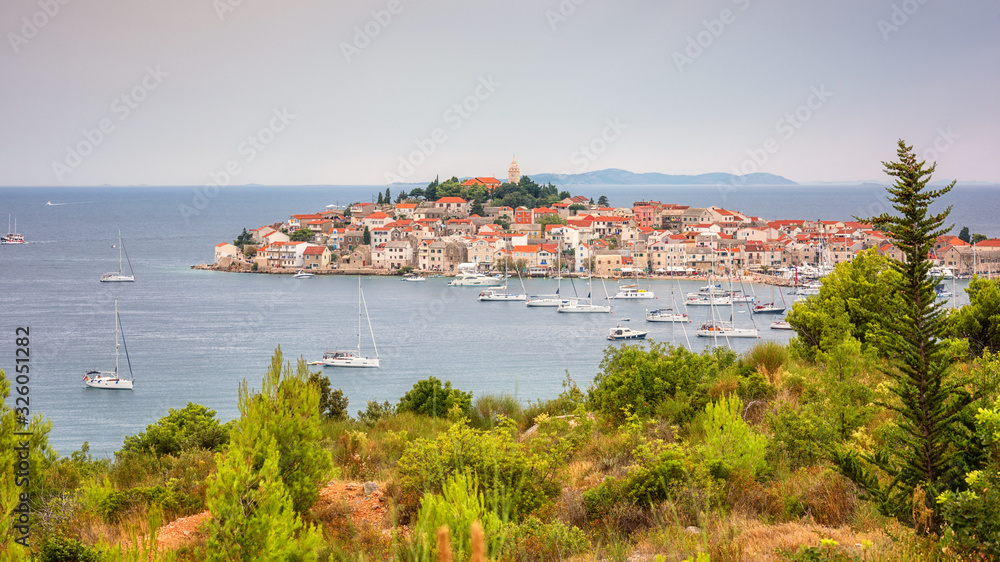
(63,549)
(502,466)
(430,397)
(488,407)
(460,503)
(636,379)
(767,358)
(332,404)
(375,412)
(730,440)
(193,427)
(544,542)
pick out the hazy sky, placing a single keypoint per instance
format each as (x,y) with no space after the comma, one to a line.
(361,92)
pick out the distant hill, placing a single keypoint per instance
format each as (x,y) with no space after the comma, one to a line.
(615,176)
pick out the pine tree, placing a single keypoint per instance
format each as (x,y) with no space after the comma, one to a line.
(905,477)
(271,472)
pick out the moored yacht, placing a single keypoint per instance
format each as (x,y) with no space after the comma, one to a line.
(620,332)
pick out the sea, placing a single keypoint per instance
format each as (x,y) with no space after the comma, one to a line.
(195,336)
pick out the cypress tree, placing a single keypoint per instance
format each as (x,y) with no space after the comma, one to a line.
(906,475)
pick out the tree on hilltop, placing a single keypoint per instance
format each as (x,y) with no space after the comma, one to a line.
(905,475)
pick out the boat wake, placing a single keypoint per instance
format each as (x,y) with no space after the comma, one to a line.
(51,204)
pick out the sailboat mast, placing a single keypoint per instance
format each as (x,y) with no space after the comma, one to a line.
(369,318)
(359,316)
(119,251)
(116,338)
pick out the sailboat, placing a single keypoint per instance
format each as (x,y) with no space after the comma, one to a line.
(550,300)
(632,291)
(12,236)
(353,357)
(589,306)
(119,277)
(718,328)
(110,379)
(770,307)
(501,293)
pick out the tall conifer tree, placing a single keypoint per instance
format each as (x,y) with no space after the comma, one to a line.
(906,475)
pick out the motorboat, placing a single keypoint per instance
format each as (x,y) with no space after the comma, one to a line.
(302,274)
(620,332)
(781,325)
(633,292)
(722,300)
(475,280)
(413,278)
(665,315)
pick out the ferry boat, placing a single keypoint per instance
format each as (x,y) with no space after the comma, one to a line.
(12,236)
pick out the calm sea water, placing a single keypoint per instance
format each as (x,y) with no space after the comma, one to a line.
(193,336)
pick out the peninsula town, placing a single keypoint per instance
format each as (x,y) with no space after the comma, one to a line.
(535,230)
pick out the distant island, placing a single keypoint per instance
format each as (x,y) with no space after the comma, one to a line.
(617,176)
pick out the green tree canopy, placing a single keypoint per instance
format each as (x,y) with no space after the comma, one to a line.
(927,396)
(301,235)
(431,398)
(979,321)
(964,236)
(603,201)
(857,300)
(192,427)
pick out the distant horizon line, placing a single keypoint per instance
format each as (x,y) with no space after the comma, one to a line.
(846,183)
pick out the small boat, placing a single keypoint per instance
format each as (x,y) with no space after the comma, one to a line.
(718,300)
(725,330)
(768,308)
(665,315)
(624,333)
(500,294)
(807,289)
(633,292)
(476,280)
(12,236)
(353,357)
(739,296)
(781,325)
(110,380)
(119,277)
(547,300)
(413,278)
(302,274)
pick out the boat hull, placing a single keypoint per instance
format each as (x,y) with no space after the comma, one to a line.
(116,278)
(108,383)
(584,308)
(501,298)
(353,362)
(639,295)
(734,333)
(548,302)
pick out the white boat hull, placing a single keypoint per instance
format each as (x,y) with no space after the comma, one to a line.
(638,295)
(781,326)
(708,302)
(355,362)
(548,302)
(667,318)
(620,334)
(729,333)
(477,282)
(501,297)
(116,278)
(107,382)
(584,308)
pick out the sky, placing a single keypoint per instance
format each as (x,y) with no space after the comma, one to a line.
(310,92)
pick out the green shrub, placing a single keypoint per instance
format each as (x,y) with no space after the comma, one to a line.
(544,542)
(730,440)
(332,403)
(118,505)
(767,357)
(375,412)
(488,407)
(502,465)
(193,427)
(753,386)
(64,549)
(430,397)
(636,380)
(460,503)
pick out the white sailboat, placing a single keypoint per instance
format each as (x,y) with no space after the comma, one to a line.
(500,294)
(576,306)
(550,300)
(718,328)
(666,315)
(119,277)
(353,357)
(12,236)
(632,291)
(110,379)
